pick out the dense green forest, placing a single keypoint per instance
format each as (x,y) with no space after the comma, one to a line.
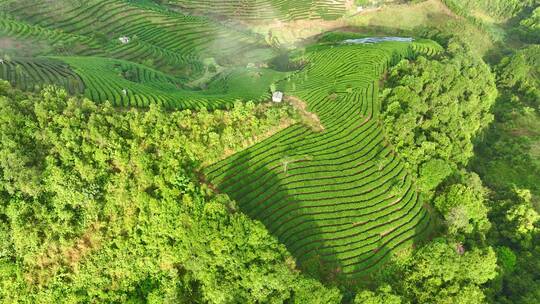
(142,159)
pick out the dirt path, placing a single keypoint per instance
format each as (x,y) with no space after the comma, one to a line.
(308,118)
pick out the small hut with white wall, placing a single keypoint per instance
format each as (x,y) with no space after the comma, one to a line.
(277,96)
(124,39)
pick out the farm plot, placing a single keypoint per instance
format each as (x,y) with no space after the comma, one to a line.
(135,54)
(341,200)
(35,74)
(172,42)
(128,84)
(264,10)
(166,30)
(10,27)
(183,66)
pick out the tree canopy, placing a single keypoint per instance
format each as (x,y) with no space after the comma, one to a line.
(433,109)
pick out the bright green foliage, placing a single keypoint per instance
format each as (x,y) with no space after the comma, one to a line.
(496,18)
(433,109)
(341,199)
(520,74)
(516,231)
(383,295)
(508,164)
(463,206)
(529,27)
(521,219)
(507,156)
(494,8)
(439,274)
(506,258)
(267,10)
(99,205)
(432,173)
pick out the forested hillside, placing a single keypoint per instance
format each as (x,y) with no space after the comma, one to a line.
(270,151)
(100,205)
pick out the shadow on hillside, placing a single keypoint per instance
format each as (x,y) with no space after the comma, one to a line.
(252,183)
(383,261)
(254,188)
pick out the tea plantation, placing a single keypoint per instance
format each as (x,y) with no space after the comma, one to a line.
(341,200)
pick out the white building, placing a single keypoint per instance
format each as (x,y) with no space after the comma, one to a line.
(124,39)
(277,96)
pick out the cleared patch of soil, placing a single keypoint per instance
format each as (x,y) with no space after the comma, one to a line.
(308,118)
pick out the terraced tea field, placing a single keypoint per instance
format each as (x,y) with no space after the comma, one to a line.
(152,25)
(164,52)
(341,200)
(35,74)
(141,86)
(264,10)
